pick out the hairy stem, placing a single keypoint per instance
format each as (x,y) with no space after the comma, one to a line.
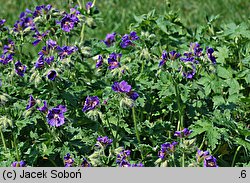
(16,148)
(80,4)
(3,140)
(135,125)
(235,154)
(82,33)
(180,108)
(183,159)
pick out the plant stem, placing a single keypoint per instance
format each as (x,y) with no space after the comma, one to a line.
(180,109)
(135,124)
(108,122)
(17,151)
(82,33)
(172,156)
(53,162)
(202,143)
(80,4)
(235,154)
(183,159)
(3,140)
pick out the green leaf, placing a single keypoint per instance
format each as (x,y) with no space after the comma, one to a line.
(243,143)
(218,100)
(213,136)
(222,54)
(223,72)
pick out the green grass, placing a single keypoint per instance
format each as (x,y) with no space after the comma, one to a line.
(118,14)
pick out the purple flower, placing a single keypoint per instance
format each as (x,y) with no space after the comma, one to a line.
(184,133)
(65,51)
(127,39)
(85,163)
(68,160)
(124,163)
(88,5)
(99,61)
(210,55)
(23,23)
(31,102)
(18,164)
(189,70)
(210,161)
(133,95)
(52,75)
(51,44)
(113,61)
(122,158)
(104,141)
(164,58)
(137,165)
(44,108)
(2,22)
(188,57)
(173,55)
(166,149)
(44,57)
(39,10)
(55,116)
(39,63)
(195,47)
(201,155)
(90,103)
(9,48)
(122,87)
(110,39)
(5,59)
(68,22)
(39,37)
(20,68)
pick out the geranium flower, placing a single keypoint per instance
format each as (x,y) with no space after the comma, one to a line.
(55,116)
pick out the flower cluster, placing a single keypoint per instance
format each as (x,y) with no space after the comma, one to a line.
(18,164)
(104,141)
(172,55)
(184,133)
(70,20)
(208,160)
(24,23)
(122,159)
(8,52)
(90,103)
(166,149)
(40,10)
(189,60)
(124,87)
(68,160)
(128,38)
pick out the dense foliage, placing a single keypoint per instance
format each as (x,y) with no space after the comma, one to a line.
(160,95)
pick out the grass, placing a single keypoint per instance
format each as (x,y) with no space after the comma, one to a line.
(118,14)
